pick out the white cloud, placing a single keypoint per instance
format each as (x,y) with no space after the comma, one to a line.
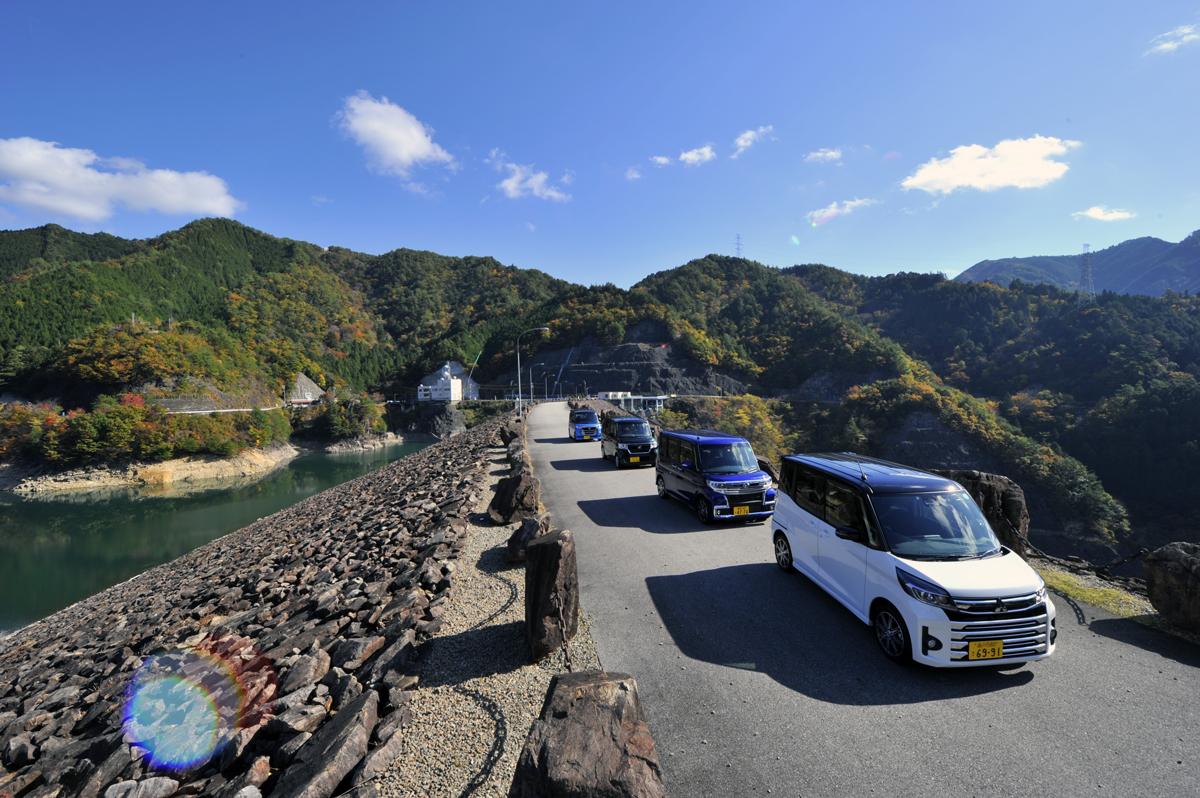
(660,160)
(835,209)
(824,155)
(748,138)
(697,156)
(395,141)
(78,182)
(524,180)
(568,177)
(1172,40)
(1103,214)
(1016,163)
(633,173)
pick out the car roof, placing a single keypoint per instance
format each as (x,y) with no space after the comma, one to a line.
(583,410)
(704,436)
(881,476)
(627,418)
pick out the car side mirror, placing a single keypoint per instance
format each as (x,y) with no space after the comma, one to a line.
(849,533)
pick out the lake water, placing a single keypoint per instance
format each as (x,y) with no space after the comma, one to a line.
(54,552)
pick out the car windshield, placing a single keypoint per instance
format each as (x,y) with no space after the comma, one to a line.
(727,458)
(633,429)
(934,526)
(583,417)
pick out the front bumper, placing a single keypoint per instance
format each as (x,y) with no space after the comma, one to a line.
(586,434)
(942,640)
(643,458)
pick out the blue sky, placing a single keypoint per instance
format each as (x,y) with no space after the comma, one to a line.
(881,136)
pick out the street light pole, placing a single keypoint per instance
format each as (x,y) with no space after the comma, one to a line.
(531,329)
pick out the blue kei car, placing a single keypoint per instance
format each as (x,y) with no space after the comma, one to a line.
(584,425)
(716,474)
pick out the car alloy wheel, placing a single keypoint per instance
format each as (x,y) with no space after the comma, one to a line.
(703,511)
(661,487)
(890,634)
(783,552)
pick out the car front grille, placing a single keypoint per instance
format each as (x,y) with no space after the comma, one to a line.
(588,430)
(1024,630)
(742,488)
(638,448)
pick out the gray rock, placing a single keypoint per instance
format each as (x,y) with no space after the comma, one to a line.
(551,593)
(1173,581)
(155,787)
(332,752)
(351,654)
(516,496)
(591,741)
(307,669)
(20,751)
(121,789)
(532,526)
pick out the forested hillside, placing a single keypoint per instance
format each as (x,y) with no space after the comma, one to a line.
(1024,379)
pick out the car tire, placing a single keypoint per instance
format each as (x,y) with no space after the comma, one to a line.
(617,460)
(891,633)
(703,510)
(783,553)
(661,487)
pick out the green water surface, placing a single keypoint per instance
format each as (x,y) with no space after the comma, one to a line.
(54,552)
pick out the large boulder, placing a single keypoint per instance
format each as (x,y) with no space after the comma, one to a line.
(1173,580)
(1002,502)
(532,526)
(516,496)
(551,592)
(591,741)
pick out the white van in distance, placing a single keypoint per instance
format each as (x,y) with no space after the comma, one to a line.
(911,554)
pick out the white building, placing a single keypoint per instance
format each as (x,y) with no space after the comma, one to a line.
(451,383)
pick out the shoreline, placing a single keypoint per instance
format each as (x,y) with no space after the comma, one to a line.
(189,473)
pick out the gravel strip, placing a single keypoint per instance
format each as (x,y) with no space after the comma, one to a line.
(478,693)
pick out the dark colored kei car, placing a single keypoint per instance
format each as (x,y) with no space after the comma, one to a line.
(628,441)
(716,474)
(583,425)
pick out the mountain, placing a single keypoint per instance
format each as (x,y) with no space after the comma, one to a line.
(1072,400)
(1147,266)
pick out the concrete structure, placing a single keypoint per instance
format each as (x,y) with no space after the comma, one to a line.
(450,383)
(304,392)
(634,402)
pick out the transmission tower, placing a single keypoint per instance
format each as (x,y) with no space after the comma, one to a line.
(738,245)
(1087,284)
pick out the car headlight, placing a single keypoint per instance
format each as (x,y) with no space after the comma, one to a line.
(653,444)
(714,485)
(922,590)
(1041,593)
(623,447)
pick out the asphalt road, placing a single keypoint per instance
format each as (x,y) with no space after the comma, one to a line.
(755,682)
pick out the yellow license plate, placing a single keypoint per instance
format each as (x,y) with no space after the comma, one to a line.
(743,510)
(985,649)
(587,437)
(633,458)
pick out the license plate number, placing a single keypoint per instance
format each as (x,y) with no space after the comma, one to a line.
(633,458)
(587,437)
(743,510)
(985,649)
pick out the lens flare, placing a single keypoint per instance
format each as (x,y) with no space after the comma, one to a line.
(183,706)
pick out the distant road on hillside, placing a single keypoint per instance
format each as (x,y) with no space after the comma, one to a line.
(755,682)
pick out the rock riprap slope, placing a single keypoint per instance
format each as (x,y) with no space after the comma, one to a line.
(276,660)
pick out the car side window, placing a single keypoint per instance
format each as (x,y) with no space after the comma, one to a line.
(844,507)
(670,446)
(687,453)
(808,491)
(787,477)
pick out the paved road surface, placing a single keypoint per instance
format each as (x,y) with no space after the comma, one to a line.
(756,683)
